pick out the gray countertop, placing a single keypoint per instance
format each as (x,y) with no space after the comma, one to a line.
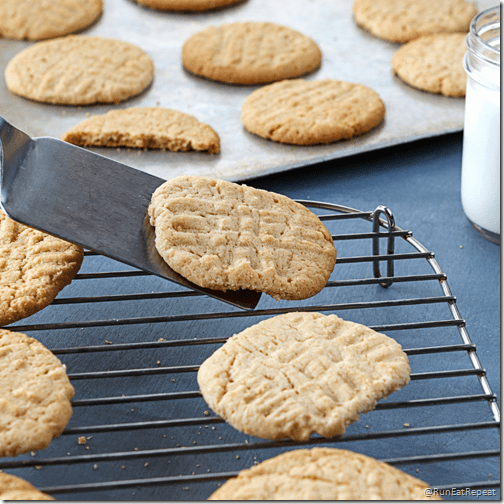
(132,344)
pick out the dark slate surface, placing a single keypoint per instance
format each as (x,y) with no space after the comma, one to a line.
(420,183)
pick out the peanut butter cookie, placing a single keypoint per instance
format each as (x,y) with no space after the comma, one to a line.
(405,20)
(34,267)
(323,474)
(433,63)
(35,395)
(303,112)
(187,5)
(43,19)
(14,488)
(145,128)
(227,236)
(79,70)
(250,53)
(301,373)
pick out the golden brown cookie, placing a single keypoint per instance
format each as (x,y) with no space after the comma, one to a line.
(34,267)
(303,112)
(227,236)
(35,395)
(433,63)
(145,128)
(14,488)
(250,53)
(404,20)
(79,70)
(43,19)
(323,474)
(301,373)
(187,5)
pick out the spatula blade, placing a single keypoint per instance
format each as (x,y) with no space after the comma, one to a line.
(89,200)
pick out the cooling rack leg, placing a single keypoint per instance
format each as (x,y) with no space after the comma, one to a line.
(389,225)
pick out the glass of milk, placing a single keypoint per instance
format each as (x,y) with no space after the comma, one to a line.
(481,148)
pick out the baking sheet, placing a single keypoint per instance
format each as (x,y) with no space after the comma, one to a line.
(349,53)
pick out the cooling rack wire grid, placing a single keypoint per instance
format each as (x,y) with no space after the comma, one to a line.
(132,344)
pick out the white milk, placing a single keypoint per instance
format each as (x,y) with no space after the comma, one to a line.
(481,150)
(481,157)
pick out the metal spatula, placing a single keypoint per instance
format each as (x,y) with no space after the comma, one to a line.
(89,200)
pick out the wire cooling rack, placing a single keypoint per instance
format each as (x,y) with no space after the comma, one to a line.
(141,430)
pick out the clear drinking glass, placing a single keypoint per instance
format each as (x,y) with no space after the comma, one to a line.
(481,148)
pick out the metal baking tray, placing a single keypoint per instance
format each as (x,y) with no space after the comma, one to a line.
(349,53)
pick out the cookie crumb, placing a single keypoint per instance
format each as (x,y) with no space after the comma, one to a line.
(82,440)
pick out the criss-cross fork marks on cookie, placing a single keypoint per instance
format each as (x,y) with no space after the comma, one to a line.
(34,268)
(295,374)
(227,236)
(250,53)
(303,112)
